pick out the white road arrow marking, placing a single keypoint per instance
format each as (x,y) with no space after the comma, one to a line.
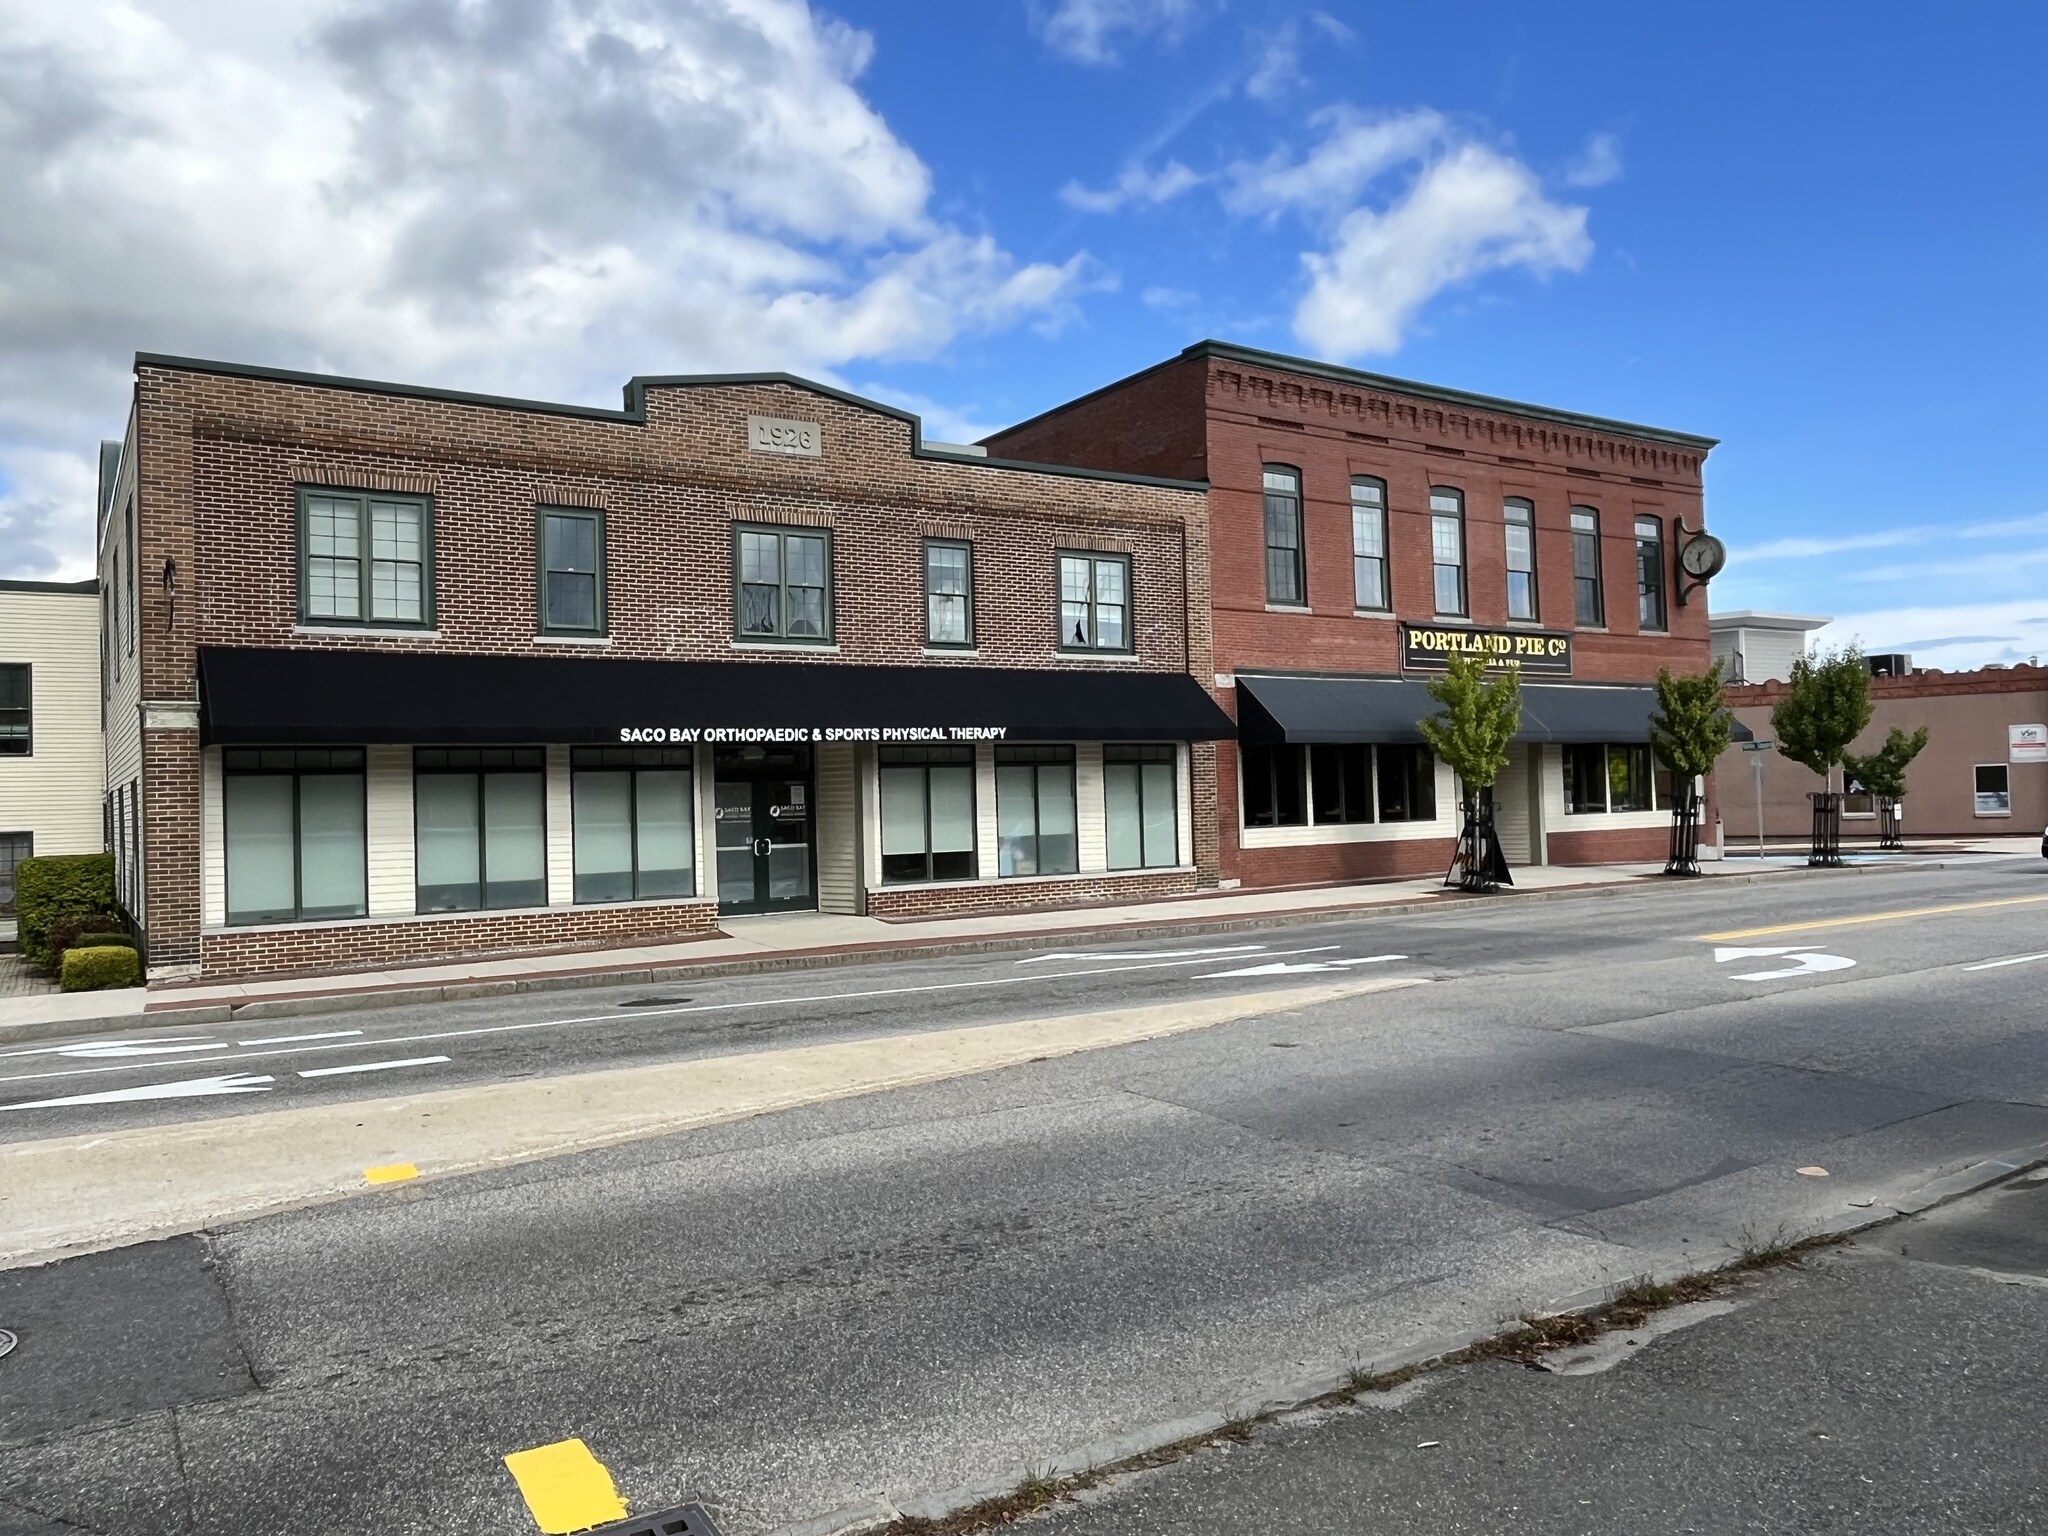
(191,1088)
(1281,967)
(1806,962)
(372,1066)
(145,1045)
(1150,954)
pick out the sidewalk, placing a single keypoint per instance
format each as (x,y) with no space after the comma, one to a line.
(781,941)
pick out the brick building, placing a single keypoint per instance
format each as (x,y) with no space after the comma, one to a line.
(420,673)
(1362,528)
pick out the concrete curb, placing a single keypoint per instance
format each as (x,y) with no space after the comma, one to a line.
(1303,1392)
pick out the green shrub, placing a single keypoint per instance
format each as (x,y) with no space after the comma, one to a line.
(94,970)
(65,885)
(69,932)
(101,941)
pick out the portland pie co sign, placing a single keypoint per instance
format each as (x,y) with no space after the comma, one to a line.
(1429,648)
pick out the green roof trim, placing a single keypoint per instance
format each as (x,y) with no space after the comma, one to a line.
(634,411)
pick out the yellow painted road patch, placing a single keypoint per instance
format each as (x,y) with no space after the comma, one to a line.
(1866,917)
(390,1173)
(565,1487)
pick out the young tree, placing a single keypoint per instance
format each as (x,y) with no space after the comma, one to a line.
(1827,708)
(1471,733)
(1882,775)
(1688,733)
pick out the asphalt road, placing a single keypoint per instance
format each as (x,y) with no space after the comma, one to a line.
(1896,1385)
(928,1288)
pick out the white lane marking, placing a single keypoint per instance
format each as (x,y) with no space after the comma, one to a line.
(1035,978)
(1147,954)
(373,1066)
(1281,967)
(70,1047)
(1992,965)
(191,1088)
(100,1050)
(1805,962)
(328,1034)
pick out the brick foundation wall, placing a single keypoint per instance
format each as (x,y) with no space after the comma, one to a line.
(170,845)
(1630,846)
(896,901)
(1327,863)
(373,943)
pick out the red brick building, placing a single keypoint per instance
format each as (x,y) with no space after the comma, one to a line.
(1361,528)
(417,673)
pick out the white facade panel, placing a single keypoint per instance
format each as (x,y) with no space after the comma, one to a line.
(838,817)
(561,830)
(389,828)
(1091,825)
(53,792)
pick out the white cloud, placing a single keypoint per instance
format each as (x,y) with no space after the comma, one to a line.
(522,196)
(1954,638)
(1355,150)
(1087,30)
(1470,211)
(1597,164)
(1279,68)
(1134,184)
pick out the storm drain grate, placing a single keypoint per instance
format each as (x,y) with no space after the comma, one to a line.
(652,1002)
(688,1520)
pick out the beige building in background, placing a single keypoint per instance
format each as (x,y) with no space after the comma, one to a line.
(50,751)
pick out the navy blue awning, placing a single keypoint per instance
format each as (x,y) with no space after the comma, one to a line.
(1362,709)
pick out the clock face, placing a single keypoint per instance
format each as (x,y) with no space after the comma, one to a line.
(1703,557)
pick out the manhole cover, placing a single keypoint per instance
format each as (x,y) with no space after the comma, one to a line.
(653,1002)
(7,1342)
(690,1520)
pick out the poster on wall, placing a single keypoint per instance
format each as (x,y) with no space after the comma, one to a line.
(2029,743)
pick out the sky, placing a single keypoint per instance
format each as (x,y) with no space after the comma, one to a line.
(1816,234)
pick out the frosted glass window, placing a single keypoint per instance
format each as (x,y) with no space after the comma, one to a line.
(261,861)
(293,825)
(1140,790)
(903,807)
(447,850)
(515,840)
(665,834)
(332,879)
(927,798)
(601,814)
(634,823)
(1035,811)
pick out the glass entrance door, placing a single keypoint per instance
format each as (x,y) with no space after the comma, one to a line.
(763,812)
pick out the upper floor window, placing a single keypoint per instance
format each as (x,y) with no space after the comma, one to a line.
(365,559)
(1286,570)
(1520,517)
(1095,602)
(1588,605)
(948,593)
(1369,587)
(135,568)
(571,573)
(17,736)
(1649,573)
(783,582)
(1447,547)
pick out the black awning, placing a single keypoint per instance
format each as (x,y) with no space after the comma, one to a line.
(344,697)
(1741,732)
(1273,709)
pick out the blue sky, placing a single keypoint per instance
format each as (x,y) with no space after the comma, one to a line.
(1820,243)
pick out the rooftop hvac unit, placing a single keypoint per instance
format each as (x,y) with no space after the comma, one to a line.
(1891,664)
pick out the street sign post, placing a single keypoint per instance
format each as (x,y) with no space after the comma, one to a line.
(1757,749)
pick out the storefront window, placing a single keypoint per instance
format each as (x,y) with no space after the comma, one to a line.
(1139,796)
(1340,782)
(1407,783)
(293,825)
(1035,814)
(927,813)
(1599,778)
(1273,790)
(1994,789)
(480,828)
(635,823)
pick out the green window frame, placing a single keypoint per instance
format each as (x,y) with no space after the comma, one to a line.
(366,559)
(294,834)
(633,823)
(569,571)
(949,594)
(1094,602)
(479,828)
(1286,556)
(782,585)
(1141,805)
(1037,812)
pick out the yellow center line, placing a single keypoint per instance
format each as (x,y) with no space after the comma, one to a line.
(1865,917)
(565,1487)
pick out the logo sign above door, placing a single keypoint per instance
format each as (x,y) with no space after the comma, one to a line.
(1429,648)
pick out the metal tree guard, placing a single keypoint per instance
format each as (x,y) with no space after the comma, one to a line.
(1479,863)
(1685,834)
(1826,851)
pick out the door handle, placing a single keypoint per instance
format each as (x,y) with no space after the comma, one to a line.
(761,846)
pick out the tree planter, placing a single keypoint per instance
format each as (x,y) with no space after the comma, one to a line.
(1685,834)
(1826,850)
(1480,864)
(1888,823)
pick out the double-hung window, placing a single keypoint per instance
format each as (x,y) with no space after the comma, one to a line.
(948,593)
(1286,568)
(571,558)
(366,559)
(783,584)
(1036,822)
(1095,602)
(1649,573)
(479,828)
(927,813)
(1520,517)
(17,709)
(1589,607)
(1599,778)
(293,826)
(1447,548)
(1139,800)
(1369,587)
(635,823)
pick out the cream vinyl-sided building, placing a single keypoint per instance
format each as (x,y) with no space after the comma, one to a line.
(50,751)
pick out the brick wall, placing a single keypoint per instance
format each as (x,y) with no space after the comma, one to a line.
(1622,846)
(1148,424)
(1327,863)
(372,944)
(901,901)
